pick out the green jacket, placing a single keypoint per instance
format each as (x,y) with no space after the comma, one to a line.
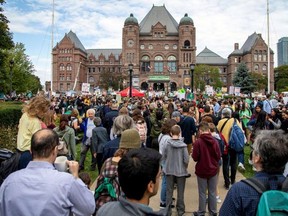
(157,124)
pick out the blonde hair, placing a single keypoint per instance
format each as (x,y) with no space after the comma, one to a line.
(175,130)
(38,105)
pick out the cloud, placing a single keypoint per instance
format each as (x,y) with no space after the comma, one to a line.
(98,23)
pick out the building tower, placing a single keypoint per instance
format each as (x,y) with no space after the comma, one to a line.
(282,51)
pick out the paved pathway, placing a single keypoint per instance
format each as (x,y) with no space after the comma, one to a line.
(191,191)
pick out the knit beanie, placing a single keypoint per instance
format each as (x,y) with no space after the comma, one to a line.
(130,139)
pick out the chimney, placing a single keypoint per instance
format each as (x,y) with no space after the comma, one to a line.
(236,46)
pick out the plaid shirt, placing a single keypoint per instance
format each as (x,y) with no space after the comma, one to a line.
(109,170)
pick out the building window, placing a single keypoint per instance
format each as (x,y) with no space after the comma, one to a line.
(61,68)
(61,87)
(264,56)
(260,56)
(68,86)
(69,67)
(101,61)
(158,65)
(187,44)
(91,79)
(256,67)
(256,55)
(264,68)
(145,64)
(235,59)
(171,64)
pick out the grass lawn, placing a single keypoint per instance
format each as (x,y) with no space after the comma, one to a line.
(93,174)
(248,172)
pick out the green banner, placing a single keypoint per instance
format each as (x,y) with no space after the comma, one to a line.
(159,78)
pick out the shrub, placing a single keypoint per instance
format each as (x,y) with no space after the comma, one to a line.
(10,117)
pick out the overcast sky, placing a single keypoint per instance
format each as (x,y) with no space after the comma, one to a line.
(98,23)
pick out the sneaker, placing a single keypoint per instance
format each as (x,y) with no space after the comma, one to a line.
(188,175)
(241,167)
(254,169)
(250,162)
(226,187)
(218,199)
(162,205)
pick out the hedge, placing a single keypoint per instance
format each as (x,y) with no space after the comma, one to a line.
(9,117)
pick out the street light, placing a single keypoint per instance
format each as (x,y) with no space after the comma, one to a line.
(192,67)
(130,67)
(11,67)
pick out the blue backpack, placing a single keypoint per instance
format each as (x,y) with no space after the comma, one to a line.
(236,138)
(272,202)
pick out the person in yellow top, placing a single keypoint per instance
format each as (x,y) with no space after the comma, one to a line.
(224,126)
(30,122)
(87,103)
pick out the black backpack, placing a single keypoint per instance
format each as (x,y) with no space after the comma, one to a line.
(9,166)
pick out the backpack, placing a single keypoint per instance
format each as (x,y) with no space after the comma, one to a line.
(221,143)
(236,138)
(225,147)
(9,166)
(63,146)
(107,187)
(272,202)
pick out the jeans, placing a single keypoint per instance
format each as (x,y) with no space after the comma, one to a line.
(241,157)
(163,189)
(229,160)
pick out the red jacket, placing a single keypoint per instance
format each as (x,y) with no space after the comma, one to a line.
(207,154)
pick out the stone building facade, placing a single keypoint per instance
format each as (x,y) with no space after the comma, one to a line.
(161,51)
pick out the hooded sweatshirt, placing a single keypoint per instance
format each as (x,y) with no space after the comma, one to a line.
(176,157)
(124,207)
(207,154)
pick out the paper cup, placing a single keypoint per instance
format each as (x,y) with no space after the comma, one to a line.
(61,164)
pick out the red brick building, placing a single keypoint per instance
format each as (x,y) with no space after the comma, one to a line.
(161,51)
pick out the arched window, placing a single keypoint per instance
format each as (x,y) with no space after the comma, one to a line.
(69,67)
(264,68)
(256,67)
(145,64)
(91,79)
(171,64)
(158,64)
(187,44)
(61,68)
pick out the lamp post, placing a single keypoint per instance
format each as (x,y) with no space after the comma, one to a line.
(192,67)
(11,67)
(130,67)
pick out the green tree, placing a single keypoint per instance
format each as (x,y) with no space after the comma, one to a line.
(260,81)
(243,79)
(22,70)
(111,80)
(6,43)
(206,75)
(281,78)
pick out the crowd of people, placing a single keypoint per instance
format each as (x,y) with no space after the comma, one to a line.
(139,140)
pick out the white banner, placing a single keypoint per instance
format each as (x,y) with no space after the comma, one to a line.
(85,88)
(237,91)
